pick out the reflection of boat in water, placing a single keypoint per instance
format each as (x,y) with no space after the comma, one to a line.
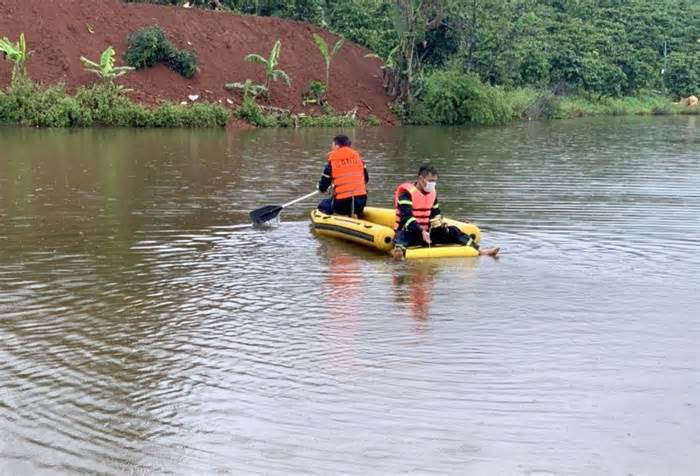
(376,230)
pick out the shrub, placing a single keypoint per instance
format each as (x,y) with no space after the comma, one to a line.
(110,106)
(250,112)
(373,120)
(184,62)
(29,105)
(149,46)
(452,97)
(315,94)
(204,115)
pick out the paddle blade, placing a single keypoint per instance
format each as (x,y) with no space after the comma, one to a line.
(264,214)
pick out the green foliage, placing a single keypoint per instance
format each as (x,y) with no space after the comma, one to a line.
(250,112)
(683,76)
(103,104)
(326,120)
(451,97)
(272,74)
(191,116)
(110,106)
(315,94)
(249,88)
(17,54)
(367,23)
(646,105)
(327,54)
(149,46)
(254,114)
(184,62)
(581,44)
(105,69)
(29,105)
(601,78)
(594,50)
(373,120)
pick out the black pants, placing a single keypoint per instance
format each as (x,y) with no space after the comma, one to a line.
(344,206)
(442,235)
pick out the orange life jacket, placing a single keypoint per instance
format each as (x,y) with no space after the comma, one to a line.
(347,173)
(422,204)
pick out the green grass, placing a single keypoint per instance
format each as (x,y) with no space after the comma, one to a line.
(569,107)
(27,104)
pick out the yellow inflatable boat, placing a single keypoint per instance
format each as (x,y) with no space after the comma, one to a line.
(376,230)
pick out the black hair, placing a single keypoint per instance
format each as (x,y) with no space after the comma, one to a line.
(341,140)
(427,169)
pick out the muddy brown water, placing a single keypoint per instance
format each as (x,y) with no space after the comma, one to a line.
(145,330)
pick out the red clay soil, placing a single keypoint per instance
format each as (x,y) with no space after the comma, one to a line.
(58,33)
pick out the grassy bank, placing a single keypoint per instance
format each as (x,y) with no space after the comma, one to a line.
(569,107)
(459,103)
(107,105)
(27,104)
(452,97)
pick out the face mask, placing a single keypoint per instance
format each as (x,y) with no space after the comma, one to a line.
(430,187)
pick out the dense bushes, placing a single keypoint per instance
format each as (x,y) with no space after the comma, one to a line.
(29,105)
(451,97)
(184,62)
(149,46)
(683,75)
(101,105)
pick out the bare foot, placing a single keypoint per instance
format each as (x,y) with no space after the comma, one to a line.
(398,254)
(488,251)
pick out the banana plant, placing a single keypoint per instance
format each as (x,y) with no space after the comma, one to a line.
(327,55)
(270,64)
(17,54)
(249,88)
(105,69)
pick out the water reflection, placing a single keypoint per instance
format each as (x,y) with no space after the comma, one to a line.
(414,285)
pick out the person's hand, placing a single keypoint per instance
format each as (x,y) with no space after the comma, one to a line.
(437,222)
(426,236)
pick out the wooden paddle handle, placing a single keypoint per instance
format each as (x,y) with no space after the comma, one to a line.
(300,199)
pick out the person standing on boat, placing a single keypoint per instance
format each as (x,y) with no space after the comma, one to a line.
(418,218)
(346,172)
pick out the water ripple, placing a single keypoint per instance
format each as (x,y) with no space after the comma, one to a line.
(145,327)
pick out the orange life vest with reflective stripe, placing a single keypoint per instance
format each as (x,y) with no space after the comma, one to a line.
(422,204)
(347,173)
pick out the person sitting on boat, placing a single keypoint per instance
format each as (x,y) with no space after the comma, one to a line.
(418,218)
(346,172)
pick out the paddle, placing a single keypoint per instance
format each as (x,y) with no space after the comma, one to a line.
(270,212)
